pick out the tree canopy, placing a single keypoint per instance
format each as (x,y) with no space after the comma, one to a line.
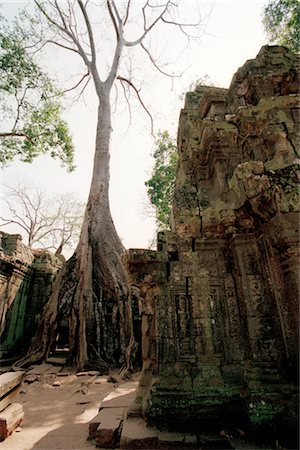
(160,186)
(281,20)
(30,105)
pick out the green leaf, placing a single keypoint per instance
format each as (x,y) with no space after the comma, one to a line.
(30,106)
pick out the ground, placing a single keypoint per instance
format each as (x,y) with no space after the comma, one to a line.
(58,408)
(59,404)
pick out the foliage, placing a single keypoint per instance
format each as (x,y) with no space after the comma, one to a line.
(48,222)
(262,411)
(281,19)
(161,184)
(30,106)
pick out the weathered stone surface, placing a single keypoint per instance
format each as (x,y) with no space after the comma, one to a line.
(9,397)
(135,435)
(219,301)
(10,418)
(26,277)
(105,428)
(9,381)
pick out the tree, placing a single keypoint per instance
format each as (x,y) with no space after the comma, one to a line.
(52,223)
(281,20)
(161,184)
(92,291)
(30,106)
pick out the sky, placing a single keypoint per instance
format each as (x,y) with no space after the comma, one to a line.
(233,33)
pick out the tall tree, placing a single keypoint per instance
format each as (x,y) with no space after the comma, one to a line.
(49,222)
(93,290)
(281,19)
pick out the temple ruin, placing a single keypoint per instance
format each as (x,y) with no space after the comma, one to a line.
(216,305)
(26,277)
(219,297)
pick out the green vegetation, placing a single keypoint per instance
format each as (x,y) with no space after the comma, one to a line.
(160,186)
(262,411)
(281,19)
(30,106)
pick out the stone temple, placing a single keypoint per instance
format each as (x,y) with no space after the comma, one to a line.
(219,297)
(216,305)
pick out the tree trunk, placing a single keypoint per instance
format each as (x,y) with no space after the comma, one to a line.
(92,290)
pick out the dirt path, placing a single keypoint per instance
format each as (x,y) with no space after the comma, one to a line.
(57,411)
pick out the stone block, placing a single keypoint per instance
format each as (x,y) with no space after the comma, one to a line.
(9,380)
(136,435)
(10,418)
(177,440)
(105,428)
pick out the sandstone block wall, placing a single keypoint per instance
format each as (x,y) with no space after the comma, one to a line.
(26,276)
(220,296)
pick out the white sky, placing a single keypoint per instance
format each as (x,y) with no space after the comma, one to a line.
(233,34)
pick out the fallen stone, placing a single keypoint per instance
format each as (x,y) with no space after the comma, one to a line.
(105,428)
(9,380)
(135,434)
(31,379)
(8,398)
(10,418)
(56,383)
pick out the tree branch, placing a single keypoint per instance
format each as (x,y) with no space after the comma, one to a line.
(59,44)
(112,18)
(149,28)
(90,31)
(78,84)
(19,105)
(128,104)
(61,14)
(65,31)
(13,221)
(156,65)
(127,12)
(16,134)
(139,98)
(115,10)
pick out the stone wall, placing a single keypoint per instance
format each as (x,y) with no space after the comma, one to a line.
(219,297)
(26,276)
